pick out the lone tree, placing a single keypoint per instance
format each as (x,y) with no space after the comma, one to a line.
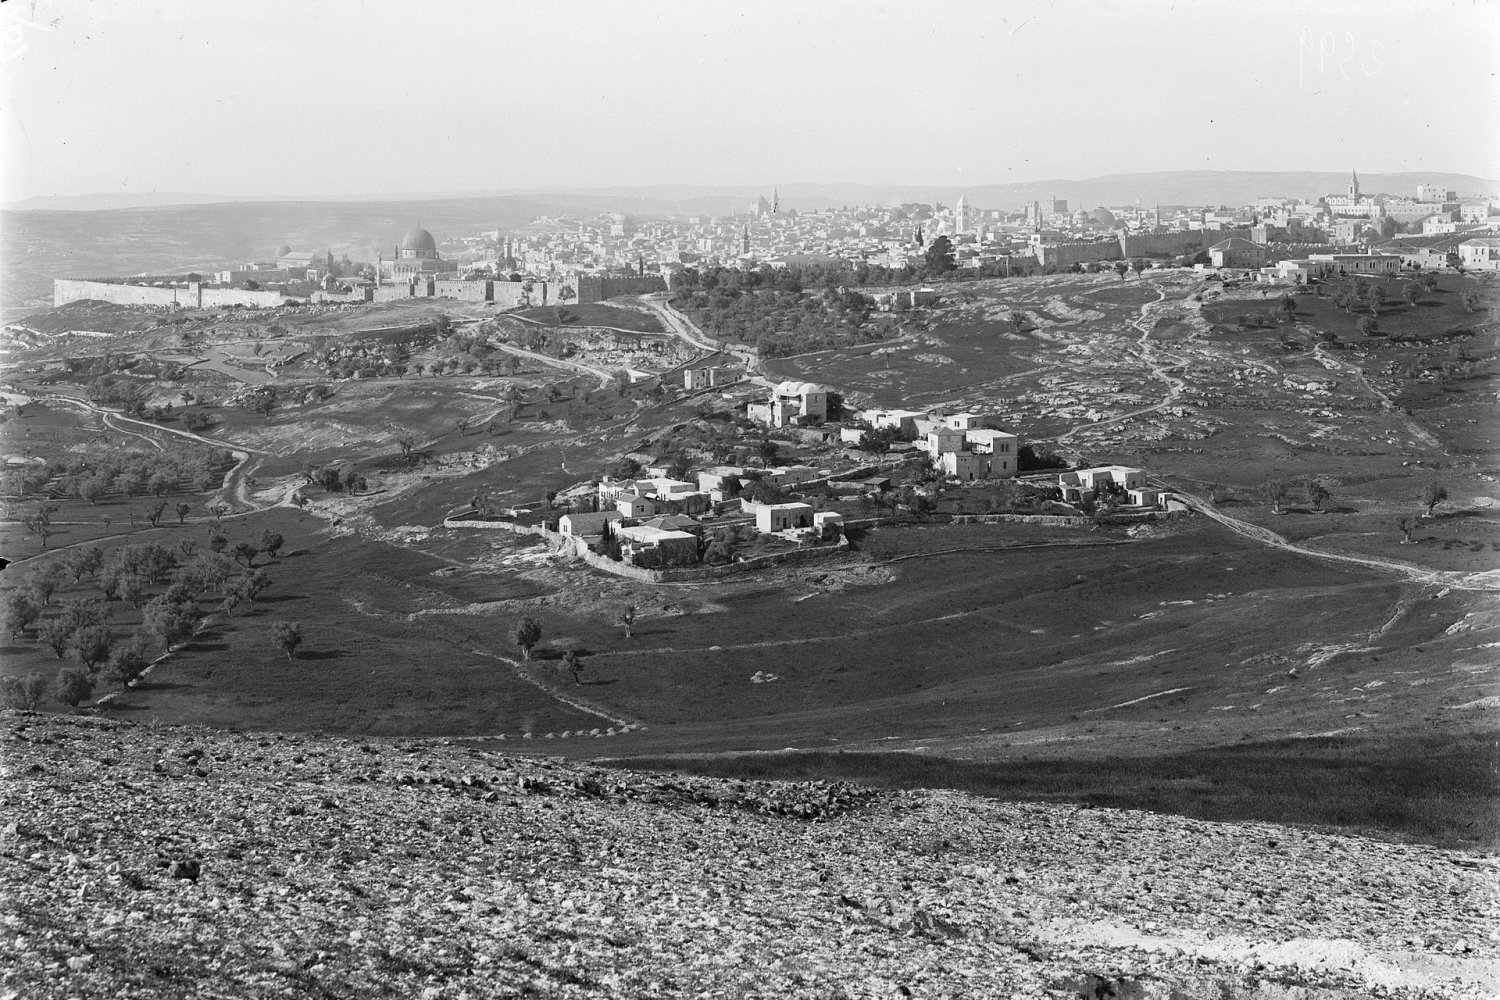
(270,543)
(1432,495)
(1316,493)
(127,662)
(627,620)
(1407,526)
(287,636)
(940,255)
(1275,492)
(527,635)
(573,664)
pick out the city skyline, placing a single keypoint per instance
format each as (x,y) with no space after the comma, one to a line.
(345,100)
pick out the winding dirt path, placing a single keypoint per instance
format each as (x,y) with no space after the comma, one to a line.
(675,322)
(1427,577)
(581,705)
(1147,355)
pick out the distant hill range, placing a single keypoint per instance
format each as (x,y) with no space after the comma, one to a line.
(1178,187)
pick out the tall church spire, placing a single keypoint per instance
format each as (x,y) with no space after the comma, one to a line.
(1353,186)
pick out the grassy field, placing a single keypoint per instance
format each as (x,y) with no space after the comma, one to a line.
(1432,314)
(1429,789)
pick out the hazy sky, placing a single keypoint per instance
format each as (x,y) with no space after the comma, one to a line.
(341,97)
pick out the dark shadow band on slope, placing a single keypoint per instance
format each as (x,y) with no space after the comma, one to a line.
(1442,790)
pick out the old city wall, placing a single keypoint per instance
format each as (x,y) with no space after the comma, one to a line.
(69,290)
(1150,244)
(1068,254)
(466,291)
(193,296)
(509,294)
(211,298)
(595,288)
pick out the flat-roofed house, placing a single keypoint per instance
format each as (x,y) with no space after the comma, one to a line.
(1000,446)
(941,440)
(963,465)
(775,517)
(644,545)
(1075,485)
(635,506)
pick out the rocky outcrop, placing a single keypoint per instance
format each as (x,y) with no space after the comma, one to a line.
(147,862)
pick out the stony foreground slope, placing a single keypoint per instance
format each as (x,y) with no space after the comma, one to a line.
(142,862)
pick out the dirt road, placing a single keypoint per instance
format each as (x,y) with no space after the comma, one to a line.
(1147,355)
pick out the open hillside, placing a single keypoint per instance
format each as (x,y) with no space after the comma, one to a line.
(146,862)
(378,487)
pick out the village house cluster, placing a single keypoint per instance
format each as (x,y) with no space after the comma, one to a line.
(657,520)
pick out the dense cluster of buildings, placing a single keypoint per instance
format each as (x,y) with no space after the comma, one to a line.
(1043,233)
(589,259)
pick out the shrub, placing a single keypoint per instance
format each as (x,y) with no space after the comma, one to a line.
(23,692)
(73,685)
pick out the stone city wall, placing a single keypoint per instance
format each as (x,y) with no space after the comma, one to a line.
(1068,254)
(191,296)
(1172,244)
(596,288)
